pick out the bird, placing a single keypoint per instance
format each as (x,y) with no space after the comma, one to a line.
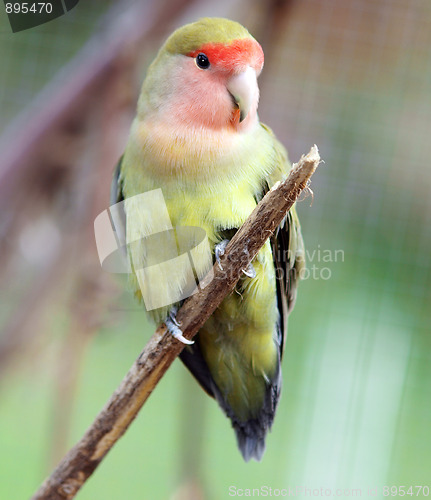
(198,156)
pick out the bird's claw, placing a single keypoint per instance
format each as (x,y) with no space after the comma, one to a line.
(173,327)
(250,271)
(219,251)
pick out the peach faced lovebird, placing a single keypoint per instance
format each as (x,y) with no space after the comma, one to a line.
(197,138)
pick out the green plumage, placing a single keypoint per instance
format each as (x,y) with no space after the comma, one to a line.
(209,30)
(213,181)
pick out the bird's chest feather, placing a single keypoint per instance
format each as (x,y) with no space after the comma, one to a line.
(207,179)
(213,209)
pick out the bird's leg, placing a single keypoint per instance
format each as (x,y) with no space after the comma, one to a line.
(174,327)
(219,250)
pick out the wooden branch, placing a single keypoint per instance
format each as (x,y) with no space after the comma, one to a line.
(162,349)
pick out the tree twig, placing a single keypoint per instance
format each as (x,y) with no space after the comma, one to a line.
(123,406)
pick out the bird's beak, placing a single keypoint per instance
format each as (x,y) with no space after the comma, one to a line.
(244,91)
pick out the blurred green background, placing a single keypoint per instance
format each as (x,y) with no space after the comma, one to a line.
(354,77)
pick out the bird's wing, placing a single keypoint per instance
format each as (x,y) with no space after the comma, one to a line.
(117,184)
(118,213)
(191,355)
(287,245)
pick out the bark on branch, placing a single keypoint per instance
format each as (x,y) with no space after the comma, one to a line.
(123,406)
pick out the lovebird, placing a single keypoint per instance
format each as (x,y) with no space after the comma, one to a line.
(198,157)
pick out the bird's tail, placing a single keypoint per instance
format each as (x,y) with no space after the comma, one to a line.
(251,434)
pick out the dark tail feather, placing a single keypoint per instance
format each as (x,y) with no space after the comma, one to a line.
(251,433)
(250,436)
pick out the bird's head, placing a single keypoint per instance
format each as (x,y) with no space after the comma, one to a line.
(206,75)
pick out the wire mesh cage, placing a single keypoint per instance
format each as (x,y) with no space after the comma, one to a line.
(352,77)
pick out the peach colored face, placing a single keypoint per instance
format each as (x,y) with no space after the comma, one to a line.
(215,86)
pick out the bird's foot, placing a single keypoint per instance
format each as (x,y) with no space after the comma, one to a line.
(219,251)
(173,327)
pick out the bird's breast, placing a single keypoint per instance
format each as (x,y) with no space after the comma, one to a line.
(196,154)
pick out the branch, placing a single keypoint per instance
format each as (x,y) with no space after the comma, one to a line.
(162,349)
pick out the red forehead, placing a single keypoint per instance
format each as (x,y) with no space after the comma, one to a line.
(244,51)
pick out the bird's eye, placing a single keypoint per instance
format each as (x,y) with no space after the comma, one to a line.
(202,61)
